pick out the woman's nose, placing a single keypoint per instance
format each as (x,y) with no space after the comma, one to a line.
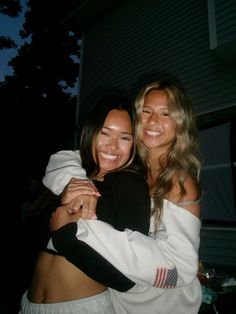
(113,143)
(154,118)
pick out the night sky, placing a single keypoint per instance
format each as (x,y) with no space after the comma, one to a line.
(10,27)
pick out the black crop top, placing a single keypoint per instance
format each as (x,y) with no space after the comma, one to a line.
(125,203)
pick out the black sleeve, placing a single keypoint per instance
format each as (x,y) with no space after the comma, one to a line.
(125,203)
(129,201)
(88,260)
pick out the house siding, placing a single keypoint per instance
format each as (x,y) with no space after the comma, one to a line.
(218,246)
(139,41)
(225,21)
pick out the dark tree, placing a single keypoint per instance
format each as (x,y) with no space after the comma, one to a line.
(36,99)
(11,8)
(37,111)
(6,42)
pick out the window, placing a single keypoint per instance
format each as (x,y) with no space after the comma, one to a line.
(217,148)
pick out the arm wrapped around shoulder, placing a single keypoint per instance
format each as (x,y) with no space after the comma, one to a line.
(63,166)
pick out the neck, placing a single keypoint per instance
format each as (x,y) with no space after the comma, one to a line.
(153,172)
(99,177)
(153,164)
(154,158)
(152,183)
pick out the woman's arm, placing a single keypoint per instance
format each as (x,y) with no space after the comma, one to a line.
(89,260)
(64,175)
(63,166)
(127,208)
(168,260)
(141,257)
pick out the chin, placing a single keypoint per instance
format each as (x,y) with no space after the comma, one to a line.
(151,144)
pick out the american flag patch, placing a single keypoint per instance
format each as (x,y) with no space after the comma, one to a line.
(166,278)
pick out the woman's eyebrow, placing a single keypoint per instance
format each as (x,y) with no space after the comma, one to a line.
(111,129)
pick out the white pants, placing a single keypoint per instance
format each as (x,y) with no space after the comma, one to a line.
(97,304)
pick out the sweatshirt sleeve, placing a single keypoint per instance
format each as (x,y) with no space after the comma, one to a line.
(125,203)
(88,260)
(168,259)
(63,166)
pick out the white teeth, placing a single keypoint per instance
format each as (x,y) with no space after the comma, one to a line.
(108,156)
(153,133)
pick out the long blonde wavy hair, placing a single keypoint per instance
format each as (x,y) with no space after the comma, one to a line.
(182,159)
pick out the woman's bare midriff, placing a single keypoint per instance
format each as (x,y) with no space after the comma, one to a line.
(57,280)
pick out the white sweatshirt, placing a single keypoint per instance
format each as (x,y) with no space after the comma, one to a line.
(153,262)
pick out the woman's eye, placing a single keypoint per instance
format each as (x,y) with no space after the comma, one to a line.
(146,111)
(165,114)
(126,138)
(103,132)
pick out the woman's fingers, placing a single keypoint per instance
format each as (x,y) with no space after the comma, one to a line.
(86,203)
(68,196)
(81,195)
(78,187)
(77,183)
(63,216)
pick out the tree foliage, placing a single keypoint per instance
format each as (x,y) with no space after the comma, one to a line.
(6,42)
(37,106)
(37,114)
(11,8)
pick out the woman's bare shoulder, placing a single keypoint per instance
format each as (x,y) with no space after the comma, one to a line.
(190,201)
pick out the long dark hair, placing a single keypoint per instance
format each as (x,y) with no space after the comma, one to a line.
(95,123)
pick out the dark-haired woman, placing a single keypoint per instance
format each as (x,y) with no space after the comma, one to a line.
(108,154)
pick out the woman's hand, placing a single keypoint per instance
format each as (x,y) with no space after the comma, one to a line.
(81,195)
(62,216)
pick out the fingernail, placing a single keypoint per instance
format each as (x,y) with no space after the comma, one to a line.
(97,194)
